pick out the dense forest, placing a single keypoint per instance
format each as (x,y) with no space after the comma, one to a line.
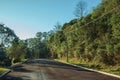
(94,37)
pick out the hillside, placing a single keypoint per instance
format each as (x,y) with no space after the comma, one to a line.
(93,38)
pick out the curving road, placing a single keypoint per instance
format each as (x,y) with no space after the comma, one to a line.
(44,69)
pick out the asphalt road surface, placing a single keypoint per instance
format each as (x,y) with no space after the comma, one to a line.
(44,69)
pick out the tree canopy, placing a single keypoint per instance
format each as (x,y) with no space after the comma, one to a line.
(94,38)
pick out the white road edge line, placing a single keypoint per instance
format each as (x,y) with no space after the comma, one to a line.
(113,75)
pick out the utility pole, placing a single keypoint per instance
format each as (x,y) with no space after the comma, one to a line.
(66,49)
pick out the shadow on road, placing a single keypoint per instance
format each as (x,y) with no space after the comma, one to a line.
(20,68)
(38,69)
(11,78)
(54,64)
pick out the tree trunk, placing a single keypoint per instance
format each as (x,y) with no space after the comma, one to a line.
(12,61)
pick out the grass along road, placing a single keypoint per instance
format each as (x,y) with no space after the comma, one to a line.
(3,70)
(109,69)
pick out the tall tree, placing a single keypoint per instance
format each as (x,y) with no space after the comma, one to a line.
(6,35)
(80,9)
(16,51)
(57,27)
(97,41)
(37,46)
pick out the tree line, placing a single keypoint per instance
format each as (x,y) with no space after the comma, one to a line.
(92,38)
(97,42)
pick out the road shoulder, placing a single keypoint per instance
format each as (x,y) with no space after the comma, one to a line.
(105,73)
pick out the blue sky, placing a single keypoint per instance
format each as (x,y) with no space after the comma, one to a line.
(27,17)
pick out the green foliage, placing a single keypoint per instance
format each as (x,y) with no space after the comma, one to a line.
(6,37)
(37,47)
(98,41)
(17,51)
(3,70)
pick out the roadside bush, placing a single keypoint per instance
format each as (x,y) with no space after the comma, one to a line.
(7,62)
(106,58)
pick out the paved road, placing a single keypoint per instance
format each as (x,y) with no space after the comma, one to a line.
(43,69)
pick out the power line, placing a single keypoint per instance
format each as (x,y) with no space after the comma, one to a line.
(67,60)
(94,19)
